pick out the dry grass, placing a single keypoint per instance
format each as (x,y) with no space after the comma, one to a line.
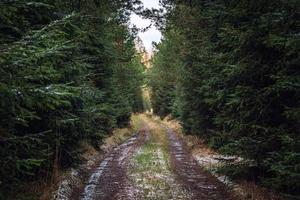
(120,135)
(157,131)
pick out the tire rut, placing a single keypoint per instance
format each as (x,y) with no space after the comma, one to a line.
(109,179)
(201,184)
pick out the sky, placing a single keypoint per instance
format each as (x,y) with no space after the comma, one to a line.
(151,35)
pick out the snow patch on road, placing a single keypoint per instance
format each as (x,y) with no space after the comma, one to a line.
(213,162)
(89,190)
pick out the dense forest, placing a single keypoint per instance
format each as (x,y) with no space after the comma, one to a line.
(229,71)
(69,73)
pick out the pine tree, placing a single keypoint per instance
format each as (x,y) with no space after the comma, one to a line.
(69,73)
(236,81)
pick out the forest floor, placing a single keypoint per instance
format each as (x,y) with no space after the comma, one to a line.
(155,163)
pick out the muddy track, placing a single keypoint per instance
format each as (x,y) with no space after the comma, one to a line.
(199,183)
(109,180)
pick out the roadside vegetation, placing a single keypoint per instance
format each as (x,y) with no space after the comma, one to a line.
(229,71)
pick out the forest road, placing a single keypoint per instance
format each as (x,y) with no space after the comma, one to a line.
(141,169)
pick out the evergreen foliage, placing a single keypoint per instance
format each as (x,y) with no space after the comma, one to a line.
(69,72)
(229,70)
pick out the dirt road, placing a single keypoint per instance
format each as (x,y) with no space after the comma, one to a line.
(153,164)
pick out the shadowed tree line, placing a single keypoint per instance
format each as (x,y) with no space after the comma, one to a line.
(229,70)
(69,73)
